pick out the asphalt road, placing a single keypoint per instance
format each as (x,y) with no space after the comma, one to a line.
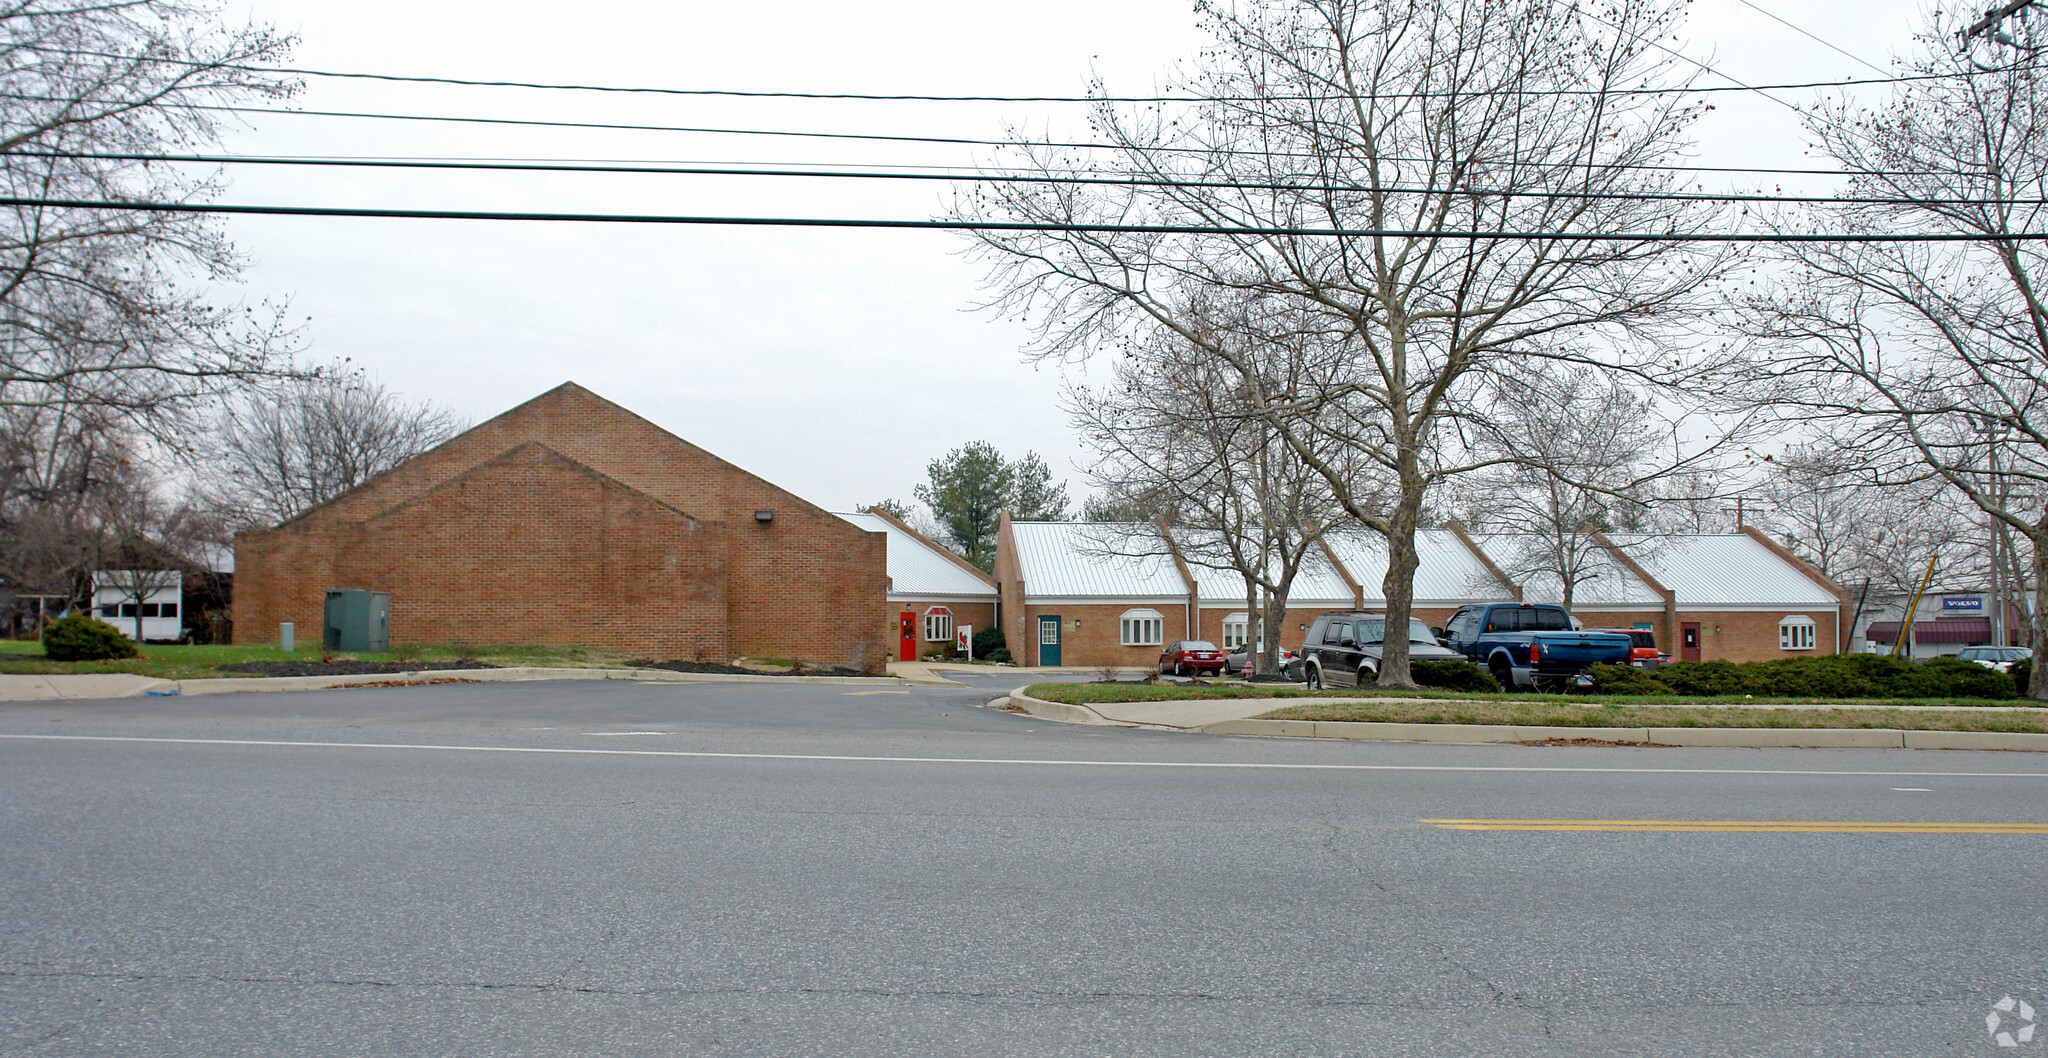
(719,869)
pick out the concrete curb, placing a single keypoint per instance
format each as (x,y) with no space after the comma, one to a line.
(517,674)
(1059,711)
(51,688)
(1477,734)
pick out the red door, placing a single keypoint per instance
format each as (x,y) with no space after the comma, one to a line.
(1688,642)
(906,649)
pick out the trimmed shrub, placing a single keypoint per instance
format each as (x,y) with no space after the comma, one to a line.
(1704,678)
(1625,679)
(987,641)
(1838,676)
(77,637)
(1452,676)
(998,654)
(1952,678)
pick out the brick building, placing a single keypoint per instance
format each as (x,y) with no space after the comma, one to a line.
(1113,594)
(569,520)
(932,591)
(1720,596)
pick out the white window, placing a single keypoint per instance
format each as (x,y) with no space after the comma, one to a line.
(1143,628)
(1795,633)
(1234,627)
(938,625)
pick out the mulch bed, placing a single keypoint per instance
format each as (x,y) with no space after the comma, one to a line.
(345,668)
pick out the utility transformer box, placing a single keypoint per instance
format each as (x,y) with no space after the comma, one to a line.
(357,621)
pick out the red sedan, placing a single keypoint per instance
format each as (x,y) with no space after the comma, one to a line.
(1195,656)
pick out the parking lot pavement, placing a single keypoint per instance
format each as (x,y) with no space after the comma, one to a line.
(622,868)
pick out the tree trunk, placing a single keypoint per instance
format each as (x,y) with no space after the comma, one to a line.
(2037,625)
(1399,588)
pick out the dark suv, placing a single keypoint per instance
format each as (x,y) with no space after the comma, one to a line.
(1343,649)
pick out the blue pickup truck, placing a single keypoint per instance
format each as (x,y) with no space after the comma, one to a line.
(1530,645)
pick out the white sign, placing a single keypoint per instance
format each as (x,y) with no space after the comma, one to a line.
(963,640)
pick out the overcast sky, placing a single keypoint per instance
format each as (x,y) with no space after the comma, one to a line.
(835,363)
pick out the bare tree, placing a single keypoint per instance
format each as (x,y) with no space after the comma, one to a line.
(1179,444)
(1823,506)
(101,305)
(278,451)
(61,463)
(1927,359)
(1573,458)
(1409,192)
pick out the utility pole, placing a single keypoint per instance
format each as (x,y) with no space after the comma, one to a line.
(1739,511)
(1993,16)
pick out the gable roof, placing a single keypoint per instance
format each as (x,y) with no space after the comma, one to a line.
(583,428)
(1730,569)
(1449,574)
(1095,559)
(1316,583)
(917,567)
(1611,583)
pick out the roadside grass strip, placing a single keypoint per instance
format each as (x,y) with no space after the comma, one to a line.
(1566,714)
(1465,707)
(1739,826)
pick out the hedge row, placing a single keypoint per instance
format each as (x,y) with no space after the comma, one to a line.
(1836,676)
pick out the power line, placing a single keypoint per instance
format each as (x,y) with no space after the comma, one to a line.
(1736,86)
(1017,226)
(962,141)
(677,170)
(1823,43)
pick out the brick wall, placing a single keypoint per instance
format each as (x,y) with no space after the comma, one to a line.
(980,614)
(1753,636)
(584,524)
(1097,639)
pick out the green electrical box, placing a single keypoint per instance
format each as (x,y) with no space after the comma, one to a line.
(357,621)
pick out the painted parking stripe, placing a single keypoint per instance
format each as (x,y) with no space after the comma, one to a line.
(435,747)
(1740,826)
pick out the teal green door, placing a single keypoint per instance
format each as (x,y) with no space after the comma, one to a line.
(1048,639)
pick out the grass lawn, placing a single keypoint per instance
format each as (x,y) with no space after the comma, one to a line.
(199,662)
(1448,707)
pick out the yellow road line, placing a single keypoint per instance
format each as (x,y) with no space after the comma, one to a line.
(1741,826)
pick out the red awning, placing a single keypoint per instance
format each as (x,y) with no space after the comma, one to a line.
(1939,630)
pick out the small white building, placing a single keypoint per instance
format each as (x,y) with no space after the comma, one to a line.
(160,606)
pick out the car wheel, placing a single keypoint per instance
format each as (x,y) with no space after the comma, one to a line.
(1503,675)
(1312,677)
(1366,674)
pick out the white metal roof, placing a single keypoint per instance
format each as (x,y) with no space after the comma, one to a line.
(916,569)
(1095,559)
(1610,583)
(1724,570)
(1449,574)
(1316,583)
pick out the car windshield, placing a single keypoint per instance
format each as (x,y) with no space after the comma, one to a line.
(1376,631)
